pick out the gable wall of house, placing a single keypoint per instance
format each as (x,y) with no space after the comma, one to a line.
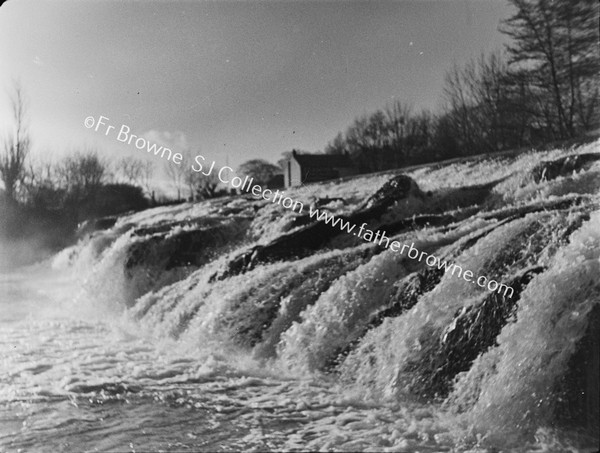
(292,173)
(296,174)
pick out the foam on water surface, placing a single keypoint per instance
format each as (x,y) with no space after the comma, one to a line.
(117,348)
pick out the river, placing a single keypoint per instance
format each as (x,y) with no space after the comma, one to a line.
(76,377)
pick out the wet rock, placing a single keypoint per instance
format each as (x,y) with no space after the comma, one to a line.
(549,170)
(303,241)
(461,197)
(569,202)
(189,223)
(152,262)
(553,232)
(473,330)
(322,202)
(300,220)
(88,227)
(397,188)
(452,220)
(314,236)
(297,244)
(408,291)
(421,221)
(168,250)
(251,317)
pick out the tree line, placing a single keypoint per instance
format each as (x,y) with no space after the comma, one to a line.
(543,88)
(83,184)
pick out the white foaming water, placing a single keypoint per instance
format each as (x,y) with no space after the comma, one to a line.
(534,351)
(77,376)
(241,363)
(342,312)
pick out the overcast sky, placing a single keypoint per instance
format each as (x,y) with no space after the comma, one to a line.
(231,80)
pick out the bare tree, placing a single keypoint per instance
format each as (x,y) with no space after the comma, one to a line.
(482,105)
(459,95)
(41,183)
(337,145)
(15,146)
(146,177)
(177,176)
(130,169)
(137,172)
(398,116)
(82,174)
(201,185)
(555,46)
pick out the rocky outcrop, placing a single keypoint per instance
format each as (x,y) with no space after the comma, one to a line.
(409,289)
(168,248)
(314,236)
(251,318)
(397,188)
(303,241)
(473,330)
(88,227)
(445,352)
(549,170)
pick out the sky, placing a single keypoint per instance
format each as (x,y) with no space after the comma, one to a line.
(229,80)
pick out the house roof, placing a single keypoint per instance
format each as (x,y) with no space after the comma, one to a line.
(323,160)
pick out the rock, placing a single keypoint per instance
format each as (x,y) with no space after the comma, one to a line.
(397,188)
(473,330)
(88,227)
(189,223)
(421,221)
(549,170)
(148,259)
(297,243)
(407,293)
(321,202)
(250,317)
(303,241)
(185,248)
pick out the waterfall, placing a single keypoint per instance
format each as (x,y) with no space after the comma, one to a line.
(376,322)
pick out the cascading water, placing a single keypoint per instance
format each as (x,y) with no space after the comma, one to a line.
(188,328)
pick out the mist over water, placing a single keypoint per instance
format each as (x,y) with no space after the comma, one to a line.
(20,252)
(112,344)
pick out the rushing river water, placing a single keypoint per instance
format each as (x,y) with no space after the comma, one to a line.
(78,378)
(163,334)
